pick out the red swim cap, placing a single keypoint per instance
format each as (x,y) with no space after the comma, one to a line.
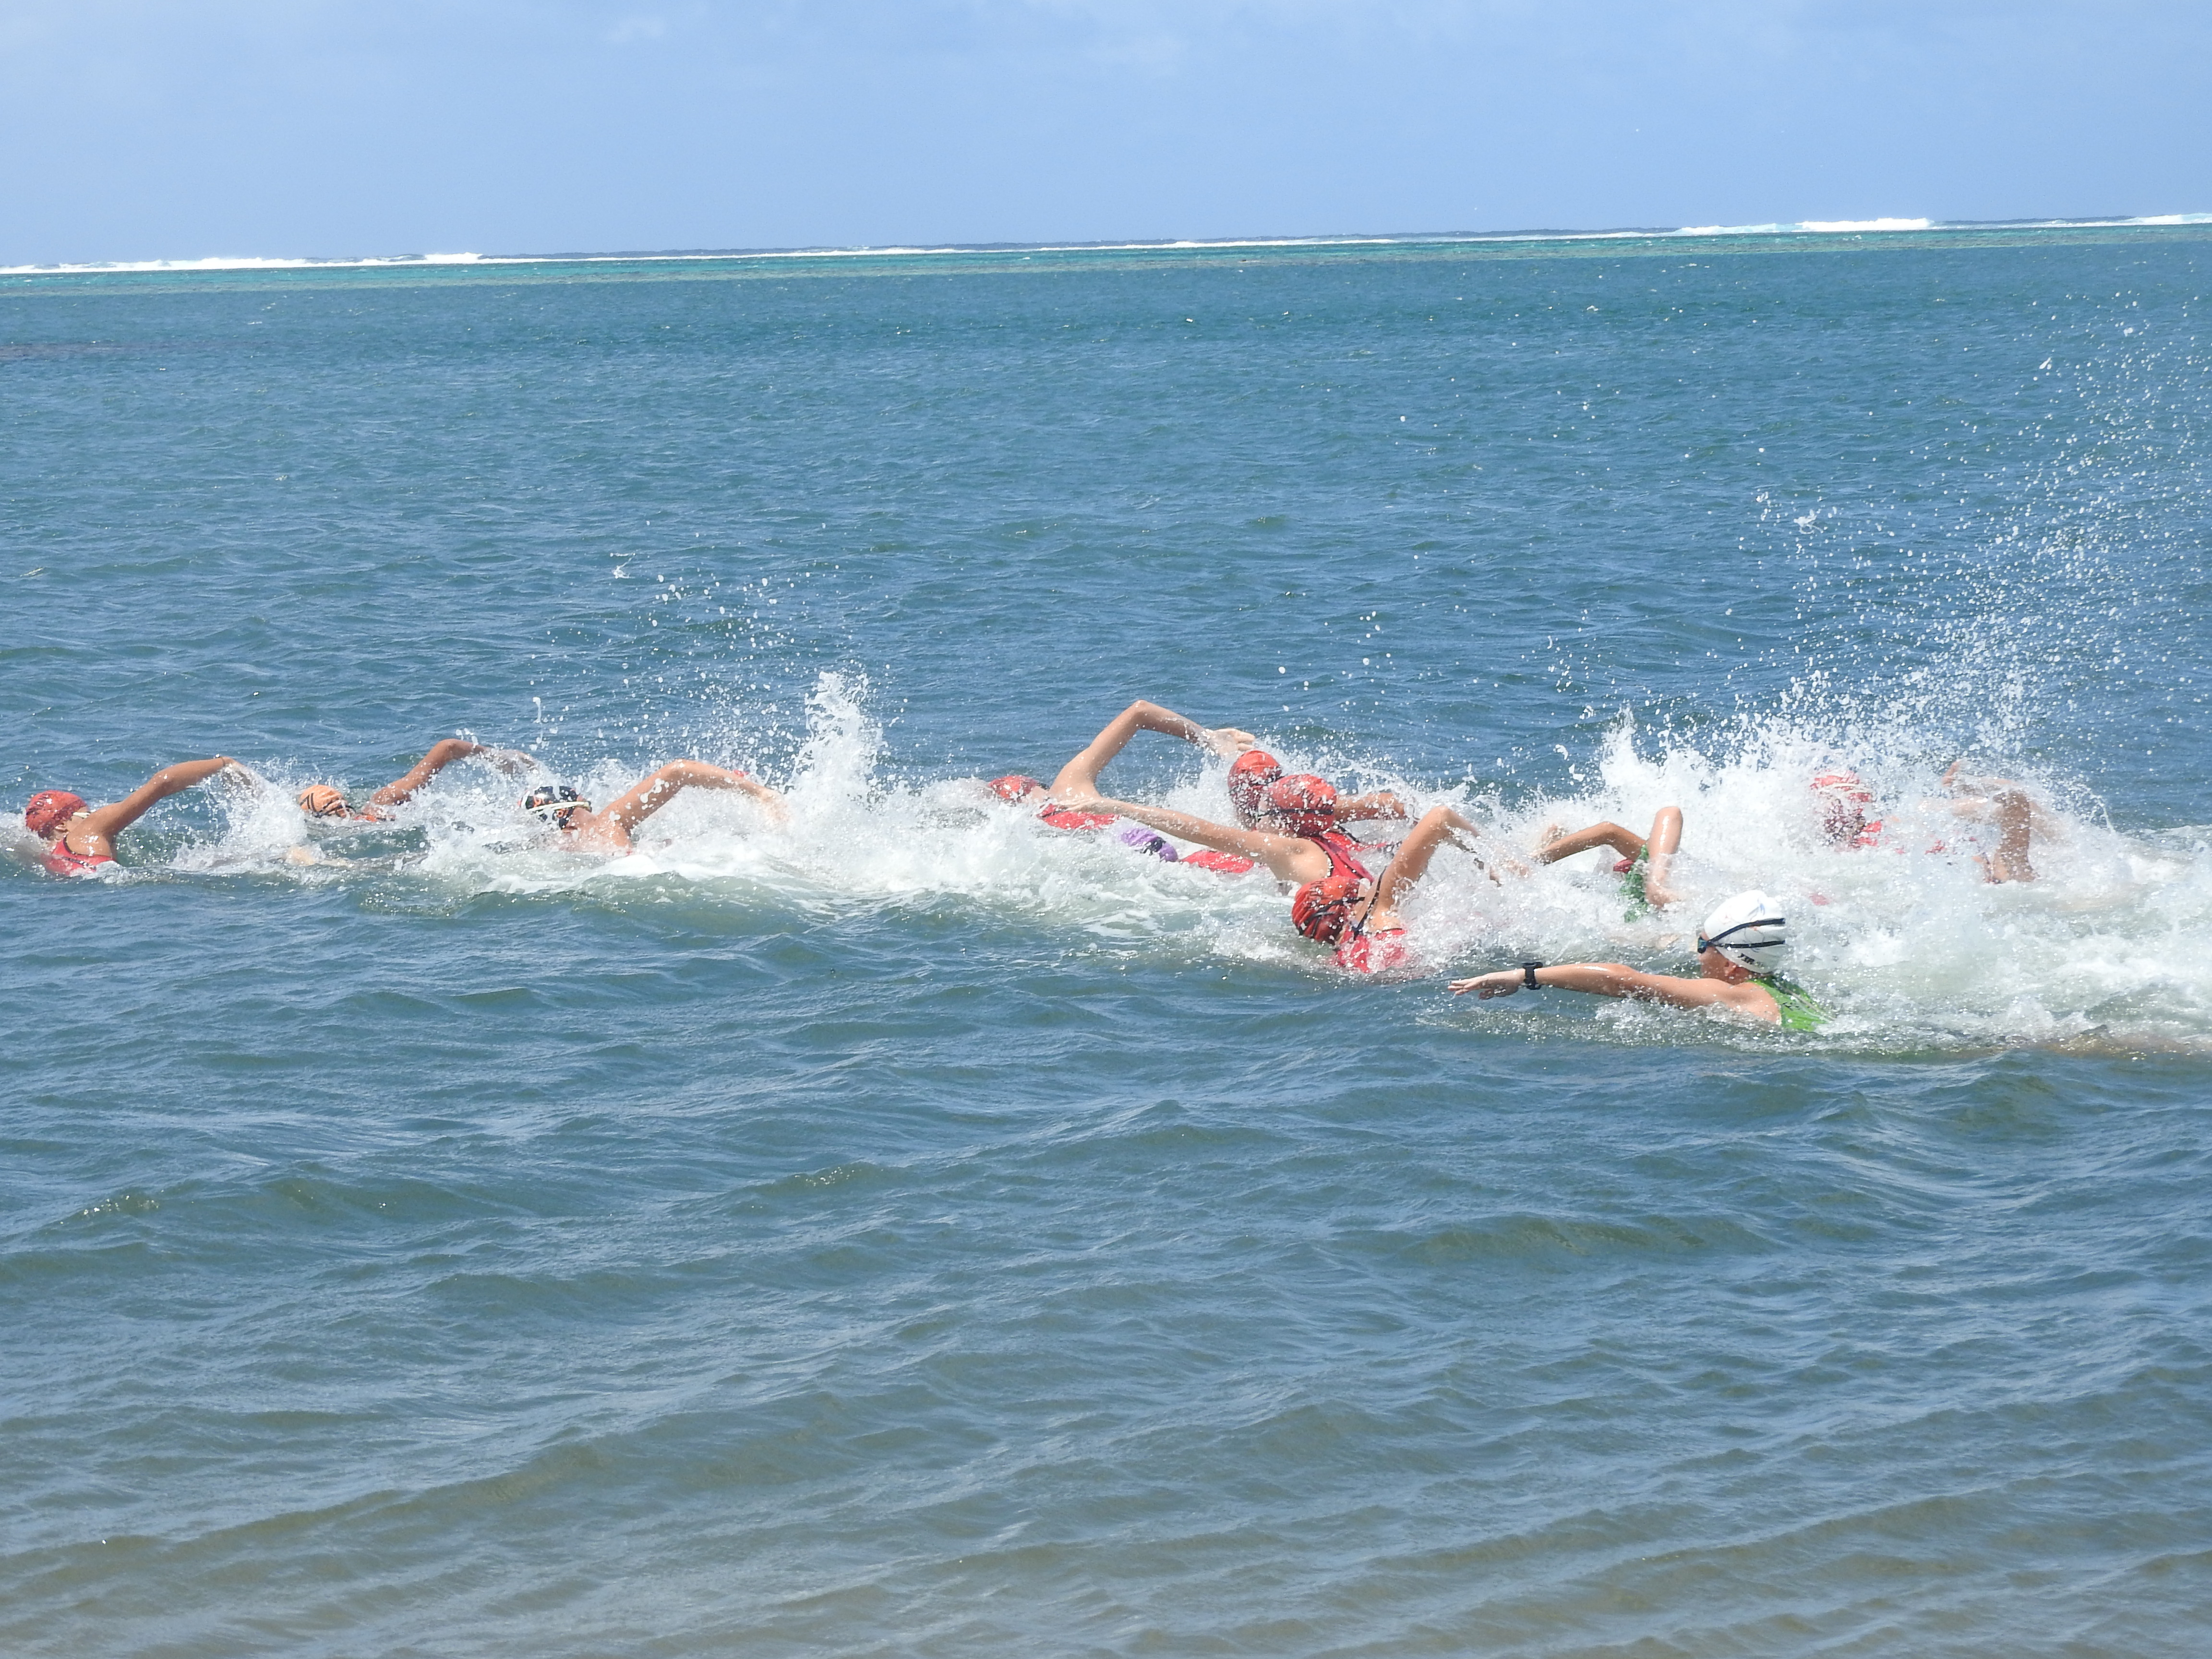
(1844,799)
(1320,910)
(1847,785)
(1013,786)
(1303,804)
(49,808)
(1249,775)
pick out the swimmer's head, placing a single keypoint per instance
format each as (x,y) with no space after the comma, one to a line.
(1301,804)
(46,812)
(1746,931)
(1322,909)
(1015,788)
(1843,799)
(1249,775)
(1149,841)
(554,803)
(319,800)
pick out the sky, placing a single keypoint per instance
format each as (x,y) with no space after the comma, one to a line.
(130,129)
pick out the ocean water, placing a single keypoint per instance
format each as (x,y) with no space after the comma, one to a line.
(910,1231)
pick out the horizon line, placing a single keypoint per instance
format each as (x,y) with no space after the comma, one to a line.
(1809,228)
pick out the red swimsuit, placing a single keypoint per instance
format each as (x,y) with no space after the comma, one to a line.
(63,859)
(1071,818)
(1339,846)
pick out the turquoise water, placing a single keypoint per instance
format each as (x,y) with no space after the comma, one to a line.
(911,1232)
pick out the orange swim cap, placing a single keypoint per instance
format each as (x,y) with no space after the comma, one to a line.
(1303,804)
(319,800)
(48,810)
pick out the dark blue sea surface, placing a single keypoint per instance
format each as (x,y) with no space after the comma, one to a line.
(910,1231)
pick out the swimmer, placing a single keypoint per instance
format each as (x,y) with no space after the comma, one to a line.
(1254,770)
(583,830)
(321,800)
(1740,951)
(1646,862)
(1079,777)
(1844,802)
(1338,902)
(1250,774)
(79,838)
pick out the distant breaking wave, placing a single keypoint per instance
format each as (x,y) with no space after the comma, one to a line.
(1799,228)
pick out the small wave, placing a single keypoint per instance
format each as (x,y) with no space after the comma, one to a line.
(223,263)
(1808,227)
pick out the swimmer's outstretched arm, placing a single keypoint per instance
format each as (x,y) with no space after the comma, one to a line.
(118,816)
(1080,775)
(1379,804)
(1661,846)
(1285,855)
(1664,842)
(441,756)
(1616,979)
(652,793)
(2017,817)
(1438,824)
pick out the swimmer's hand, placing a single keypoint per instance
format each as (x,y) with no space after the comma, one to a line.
(1229,740)
(513,761)
(1502,983)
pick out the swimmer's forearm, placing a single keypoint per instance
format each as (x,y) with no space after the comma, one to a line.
(1186,826)
(1597,978)
(169,780)
(175,779)
(1224,740)
(1382,804)
(442,755)
(1161,818)
(1601,979)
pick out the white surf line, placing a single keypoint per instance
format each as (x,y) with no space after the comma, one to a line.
(1809,227)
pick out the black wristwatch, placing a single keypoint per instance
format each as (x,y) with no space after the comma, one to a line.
(1529,974)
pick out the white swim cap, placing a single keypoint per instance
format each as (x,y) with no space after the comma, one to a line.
(1747,930)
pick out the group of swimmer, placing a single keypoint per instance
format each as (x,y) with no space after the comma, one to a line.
(1292,823)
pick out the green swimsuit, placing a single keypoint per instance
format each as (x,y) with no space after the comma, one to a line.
(1632,882)
(1795,1003)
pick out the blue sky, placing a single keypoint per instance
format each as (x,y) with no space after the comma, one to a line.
(330,128)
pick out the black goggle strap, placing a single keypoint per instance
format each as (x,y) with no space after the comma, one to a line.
(1726,933)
